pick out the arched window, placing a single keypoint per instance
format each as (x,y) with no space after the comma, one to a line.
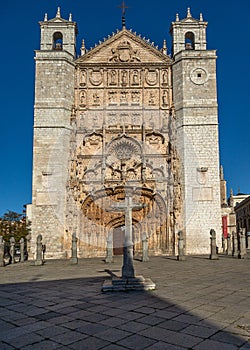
(57,41)
(189,41)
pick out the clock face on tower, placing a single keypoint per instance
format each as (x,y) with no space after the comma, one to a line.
(199,76)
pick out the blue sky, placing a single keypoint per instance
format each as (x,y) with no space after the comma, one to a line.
(228,32)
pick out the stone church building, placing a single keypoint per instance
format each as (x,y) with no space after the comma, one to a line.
(125,119)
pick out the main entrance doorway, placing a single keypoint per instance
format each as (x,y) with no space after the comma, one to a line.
(118,240)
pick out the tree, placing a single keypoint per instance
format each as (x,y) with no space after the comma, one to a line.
(15,225)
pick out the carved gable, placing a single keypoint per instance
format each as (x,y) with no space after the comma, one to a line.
(124,47)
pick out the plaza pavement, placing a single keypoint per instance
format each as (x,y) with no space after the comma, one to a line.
(198,304)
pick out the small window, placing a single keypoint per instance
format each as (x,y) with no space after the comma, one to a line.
(198,75)
(189,41)
(57,41)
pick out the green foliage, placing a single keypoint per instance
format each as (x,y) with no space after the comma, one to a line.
(15,225)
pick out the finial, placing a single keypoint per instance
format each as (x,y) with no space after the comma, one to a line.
(231,192)
(123,7)
(201,17)
(188,12)
(164,48)
(177,17)
(70,17)
(45,17)
(58,14)
(83,48)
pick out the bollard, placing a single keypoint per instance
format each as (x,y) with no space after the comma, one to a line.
(12,250)
(1,251)
(145,247)
(229,244)
(242,252)
(181,255)
(74,259)
(39,257)
(213,255)
(223,243)
(109,249)
(21,250)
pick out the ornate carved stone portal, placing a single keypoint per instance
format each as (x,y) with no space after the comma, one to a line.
(123,139)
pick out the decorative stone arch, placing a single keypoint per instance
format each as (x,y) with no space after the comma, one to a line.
(153,219)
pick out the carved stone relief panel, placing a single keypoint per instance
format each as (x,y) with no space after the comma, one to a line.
(124,52)
(151,77)
(151,97)
(112,119)
(95,97)
(96,77)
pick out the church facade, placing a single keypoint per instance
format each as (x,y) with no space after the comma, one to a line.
(125,119)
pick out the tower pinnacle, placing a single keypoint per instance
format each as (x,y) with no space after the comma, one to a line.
(58,14)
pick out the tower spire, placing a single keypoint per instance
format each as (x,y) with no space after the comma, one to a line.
(123,7)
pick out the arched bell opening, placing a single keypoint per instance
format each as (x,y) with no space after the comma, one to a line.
(57,41)
(189,41)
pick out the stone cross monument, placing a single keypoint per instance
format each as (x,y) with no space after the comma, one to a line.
(127,207)
(128,280)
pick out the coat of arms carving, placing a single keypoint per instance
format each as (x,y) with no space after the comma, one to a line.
(124,53)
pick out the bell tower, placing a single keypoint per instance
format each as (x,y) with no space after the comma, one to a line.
(195,100)
(54,97)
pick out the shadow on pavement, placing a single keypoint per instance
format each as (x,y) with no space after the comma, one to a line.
(75,314)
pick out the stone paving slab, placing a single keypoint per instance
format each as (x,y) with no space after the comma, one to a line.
(198,304)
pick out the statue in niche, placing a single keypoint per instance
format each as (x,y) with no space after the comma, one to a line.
(113,77)
(164,98)
(164,77)
(83,98)
(135,80)
(83,78)
(124,77)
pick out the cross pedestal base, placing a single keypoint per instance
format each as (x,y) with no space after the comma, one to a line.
(123,285)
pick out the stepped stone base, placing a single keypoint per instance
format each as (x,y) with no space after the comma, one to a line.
(119,284)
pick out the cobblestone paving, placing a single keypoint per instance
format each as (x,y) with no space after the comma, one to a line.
(198,304)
